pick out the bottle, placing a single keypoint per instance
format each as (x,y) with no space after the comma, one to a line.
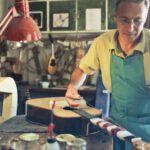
(4,146)
(52,144)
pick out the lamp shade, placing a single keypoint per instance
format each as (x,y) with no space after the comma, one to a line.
(22,28)
(18,25)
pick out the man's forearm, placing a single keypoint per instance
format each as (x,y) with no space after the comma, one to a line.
(77,78)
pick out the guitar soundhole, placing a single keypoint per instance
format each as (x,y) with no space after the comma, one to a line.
(69,108)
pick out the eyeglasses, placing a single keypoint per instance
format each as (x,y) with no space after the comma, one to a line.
(136,21)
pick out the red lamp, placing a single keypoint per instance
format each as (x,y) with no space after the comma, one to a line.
(18,25)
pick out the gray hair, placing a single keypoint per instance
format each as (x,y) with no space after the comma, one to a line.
(146,2)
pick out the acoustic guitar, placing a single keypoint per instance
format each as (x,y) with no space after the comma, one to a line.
(77,121)
(66,119)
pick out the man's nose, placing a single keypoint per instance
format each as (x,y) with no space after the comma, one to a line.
(131,26)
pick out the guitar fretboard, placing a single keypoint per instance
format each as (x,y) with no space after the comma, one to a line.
(83,113)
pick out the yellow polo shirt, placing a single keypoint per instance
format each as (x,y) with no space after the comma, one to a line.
(98,56)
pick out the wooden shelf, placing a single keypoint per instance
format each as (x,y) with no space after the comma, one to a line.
(77,15)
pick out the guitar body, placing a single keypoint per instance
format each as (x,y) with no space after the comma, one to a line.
(65,120)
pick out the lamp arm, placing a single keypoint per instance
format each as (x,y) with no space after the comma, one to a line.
(6,20)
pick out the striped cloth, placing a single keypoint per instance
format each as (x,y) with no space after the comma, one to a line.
(114,130)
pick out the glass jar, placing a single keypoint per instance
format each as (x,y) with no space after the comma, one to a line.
(63,139)
(28,141)
(76,144)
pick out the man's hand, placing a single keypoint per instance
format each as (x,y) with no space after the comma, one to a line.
(72,96)
(138,144)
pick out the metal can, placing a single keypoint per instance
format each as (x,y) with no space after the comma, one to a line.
(76,144)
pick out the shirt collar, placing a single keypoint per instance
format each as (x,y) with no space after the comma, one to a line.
(139,47)
(113,43)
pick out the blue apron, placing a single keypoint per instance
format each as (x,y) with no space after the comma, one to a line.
(130,101)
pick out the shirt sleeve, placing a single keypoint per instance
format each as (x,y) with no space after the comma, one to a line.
(90,63)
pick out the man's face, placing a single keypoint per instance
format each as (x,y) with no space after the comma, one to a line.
(130,19)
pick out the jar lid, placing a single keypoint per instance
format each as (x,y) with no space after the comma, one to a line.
(77,142)
(28,137)
(65,137)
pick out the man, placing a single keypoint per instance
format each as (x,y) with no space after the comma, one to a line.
(123,56)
